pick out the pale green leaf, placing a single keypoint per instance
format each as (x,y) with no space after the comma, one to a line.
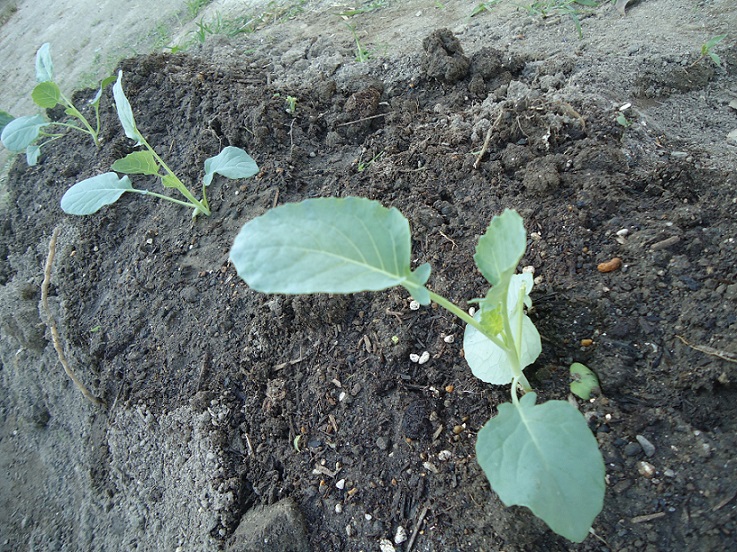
(488,361)
(171,181)
(328,245)
(44,66)
(88,196)
(46,94)
(32,155)
(138,162)
(500,249)
(232,162)
(103,84)
(546,458)
(19,133)
(584,381)
(125,111)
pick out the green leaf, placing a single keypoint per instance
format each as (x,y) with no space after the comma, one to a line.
(88,196)
(32,155)
(138,162)
(125,112)
(500,249)
(19,133)
(171,181)
(488,361)
(232,162)
(546,458)
(716,59)
(714,41)
(584,381)
(103,84)
(328,245)
(5,118)
(44,66)
(46,94)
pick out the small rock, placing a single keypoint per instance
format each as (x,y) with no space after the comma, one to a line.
(632,449)
(646,469)
(385,545)
(340,484)
(400,535)
(646,445)
(382,443)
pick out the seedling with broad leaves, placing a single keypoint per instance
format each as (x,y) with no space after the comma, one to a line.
(542,456)
(25,133)
(90,195)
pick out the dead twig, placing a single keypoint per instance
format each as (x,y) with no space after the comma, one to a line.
(416,530)
(487,140)
(362,120)
(724,355)
(55,338)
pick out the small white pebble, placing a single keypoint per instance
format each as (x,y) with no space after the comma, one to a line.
(385,545)
(429,466)
(444,455)
(368,517)
(414,305)
(472,311)
(537,280)
(625,107)
(424,357)
(338,508)
(340,484)
(449,339)
(414,357)
(646,469)
(623,232)
(342,396)
(536,236)
(529,269)
(400,535)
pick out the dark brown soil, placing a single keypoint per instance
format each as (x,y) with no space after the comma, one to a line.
(320,389)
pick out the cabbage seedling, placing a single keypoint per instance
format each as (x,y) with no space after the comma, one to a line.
(23,133)
(88,196)
(542,456)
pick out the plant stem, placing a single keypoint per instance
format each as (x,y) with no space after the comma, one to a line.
(194,202)
(162,196)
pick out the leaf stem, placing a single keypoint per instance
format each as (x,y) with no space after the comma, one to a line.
(467,318)
(162,196)
(194,202)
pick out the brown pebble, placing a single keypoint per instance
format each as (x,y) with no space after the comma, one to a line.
(587,342)
(458,429)
(449,388)
(610,266)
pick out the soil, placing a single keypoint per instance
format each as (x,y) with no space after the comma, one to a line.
(303,415)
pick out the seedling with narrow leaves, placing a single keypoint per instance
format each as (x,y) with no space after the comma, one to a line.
(24,133)
(542,456)
(88,196)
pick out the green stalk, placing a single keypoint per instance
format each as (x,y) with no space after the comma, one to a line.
(199,205)
(162,196)
(75,113)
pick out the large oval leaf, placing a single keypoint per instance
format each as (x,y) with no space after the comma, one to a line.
(488,361)
(19,133)
(232,162)
(328,245)
(88,196)
(546,458)
(46,95)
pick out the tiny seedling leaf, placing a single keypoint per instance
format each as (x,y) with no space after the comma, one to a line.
(488,361)
(125,112)
(328,245)
(5,118)
(103,84)
(546,458)
(170,181)
(46,94)
(584,381)
(500,249)
(44,66)
(232,162)
(88,196)
(32,154)
(19,133)
(138,162)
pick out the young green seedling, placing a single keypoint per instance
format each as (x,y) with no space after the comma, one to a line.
(88,196)
(23,133)
(540,456)
(707,50)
